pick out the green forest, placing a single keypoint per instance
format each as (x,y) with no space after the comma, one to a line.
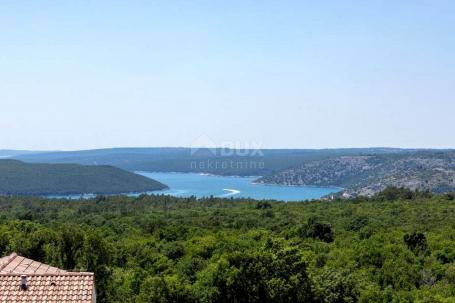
(37,179)
(398,246)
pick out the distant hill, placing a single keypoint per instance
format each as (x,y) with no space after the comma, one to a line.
(215,161)
(7,153)
(369,174)
(362,171)
(19,178)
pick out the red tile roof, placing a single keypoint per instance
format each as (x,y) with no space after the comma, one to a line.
(19,265)
(45,284)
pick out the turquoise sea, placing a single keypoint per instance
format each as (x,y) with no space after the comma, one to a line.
(201,185)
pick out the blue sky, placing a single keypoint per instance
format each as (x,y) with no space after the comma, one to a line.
(296,74)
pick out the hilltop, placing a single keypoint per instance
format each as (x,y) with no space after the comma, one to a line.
(247,162)
(368,174)
(19,178)
(360,171)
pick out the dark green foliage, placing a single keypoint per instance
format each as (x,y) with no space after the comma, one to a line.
(357,223)
(263,205)
(394,193)
(164,249)
(173,250)
(271,274)
(446,255)
(19,178)
(317,230)
(72,243)
(97,256)
(336,286)
(416,241)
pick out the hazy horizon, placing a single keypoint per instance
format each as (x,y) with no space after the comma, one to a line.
(292,74)
(219,147)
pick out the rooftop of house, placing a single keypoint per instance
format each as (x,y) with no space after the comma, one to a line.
(14,264)
(25,280)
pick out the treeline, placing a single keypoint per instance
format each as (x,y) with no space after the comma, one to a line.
(395,247)
(20,178)
(218,161)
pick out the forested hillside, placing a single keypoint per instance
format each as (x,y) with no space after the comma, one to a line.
(218,161)
(368,174)
(396,247)
(19,178)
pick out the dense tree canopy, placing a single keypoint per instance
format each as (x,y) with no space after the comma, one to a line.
(164,249)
